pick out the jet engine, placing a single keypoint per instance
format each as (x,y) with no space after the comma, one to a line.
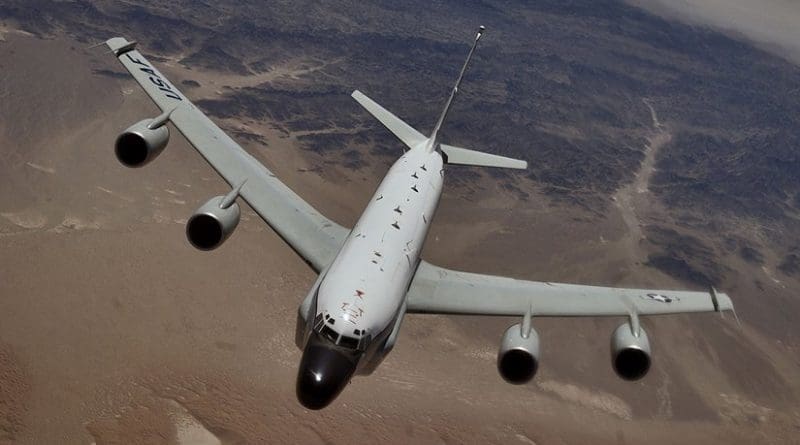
(630,352)
(213,223)
(518,358)
(141,143)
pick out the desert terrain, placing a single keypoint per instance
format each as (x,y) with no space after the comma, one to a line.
(114,330)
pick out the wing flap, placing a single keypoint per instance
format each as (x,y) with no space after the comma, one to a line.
(438,290)
(313,236)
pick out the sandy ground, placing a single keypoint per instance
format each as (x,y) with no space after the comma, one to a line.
(113,330)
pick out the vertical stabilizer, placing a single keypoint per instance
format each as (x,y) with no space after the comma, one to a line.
(449,102)
(415,140)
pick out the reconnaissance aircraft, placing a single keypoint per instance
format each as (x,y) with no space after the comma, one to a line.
(372,275)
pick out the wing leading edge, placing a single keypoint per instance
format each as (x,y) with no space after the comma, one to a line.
(313,236)
(442,291)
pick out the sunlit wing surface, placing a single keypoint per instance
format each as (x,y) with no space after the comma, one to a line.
(438,290)
(313,236)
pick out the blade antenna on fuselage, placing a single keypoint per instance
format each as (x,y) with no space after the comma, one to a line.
(449,102)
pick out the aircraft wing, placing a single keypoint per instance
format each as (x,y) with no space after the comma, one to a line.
(442,291)
(313,236)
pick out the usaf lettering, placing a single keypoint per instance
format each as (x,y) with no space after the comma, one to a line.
(160,83)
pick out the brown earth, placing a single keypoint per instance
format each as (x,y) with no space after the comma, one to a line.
(114,330)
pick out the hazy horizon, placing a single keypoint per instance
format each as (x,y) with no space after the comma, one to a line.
(772,24)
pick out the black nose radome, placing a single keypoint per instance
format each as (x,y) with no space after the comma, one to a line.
(323,374)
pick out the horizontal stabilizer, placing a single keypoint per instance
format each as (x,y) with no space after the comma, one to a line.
(402,130)
(463,156)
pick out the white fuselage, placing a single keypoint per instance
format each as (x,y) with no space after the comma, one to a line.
(366,284)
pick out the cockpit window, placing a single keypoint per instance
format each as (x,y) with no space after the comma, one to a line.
(348,342)
(324,327)
(329,333)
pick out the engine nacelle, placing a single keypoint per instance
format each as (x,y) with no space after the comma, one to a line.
(518,358)
(630,354)
(212,224)
(140,144)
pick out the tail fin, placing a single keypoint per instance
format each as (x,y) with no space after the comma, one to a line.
(453,92)
(402,130)
(413,138)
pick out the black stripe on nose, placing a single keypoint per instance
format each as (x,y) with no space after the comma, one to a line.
(324,372)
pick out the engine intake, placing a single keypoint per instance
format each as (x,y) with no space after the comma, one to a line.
(140,144)
(212,223)
(518,358)
(630,354)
